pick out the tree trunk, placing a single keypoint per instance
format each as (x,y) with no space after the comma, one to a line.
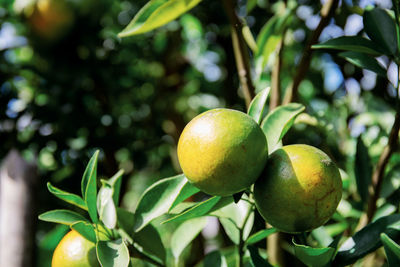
(18,180)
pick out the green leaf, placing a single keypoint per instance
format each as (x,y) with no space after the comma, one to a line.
(106,207)
(86,229)
(351,43)
(381,28)
(257,105)
(185,233)
(67,197)
(256,258)
(313,256)
(260,235)
(391,182)
(392,250)
(364,61)
(155,14)
(233,217)
(150,242)
(125,220)
(362,169)
(157,200)
(89,186)
(278,122)
(66,217)
(202,208)
(214,258)
(115,183)
(269,37)
(250,5)
(366,240)
(187,191)
(112,253)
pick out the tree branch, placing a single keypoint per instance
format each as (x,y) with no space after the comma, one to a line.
(377,176)
(327,12)
(240,51)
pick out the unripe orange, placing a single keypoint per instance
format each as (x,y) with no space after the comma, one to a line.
(222,151)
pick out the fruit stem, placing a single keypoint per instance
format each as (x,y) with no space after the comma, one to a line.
(327,12)
(240,51)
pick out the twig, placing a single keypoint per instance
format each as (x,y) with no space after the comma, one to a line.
(240,51)
(327,12)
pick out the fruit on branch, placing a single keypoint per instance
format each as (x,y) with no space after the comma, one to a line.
(222,151)
(299,189)
(74,251)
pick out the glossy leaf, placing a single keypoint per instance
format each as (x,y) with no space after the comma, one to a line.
(260,235)
(106,207)
(269,37)
(157,200)
(257,105)
(185,233)
(215,258)
(278,122)
(157,13)
(187,191)
(125,220)
(150,242)
(112,253)
(351,43)
(364,61)
(392,250)
(202,208)
(67,197)
(233,217)
(366,240)
(85,229)
(313,256)
(66,217)
(363,170)
(256,258)
(381,28)
(89,186)
(115,183)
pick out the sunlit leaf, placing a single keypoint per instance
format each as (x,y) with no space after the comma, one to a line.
(89,186)
(150,242)
(392,250)
(66,217)
(257,105)
(260,235)
(67,197)
(314,257)
(185,233)
(157,13)
(86,230)
(278,122)
(157,200)
(112,253)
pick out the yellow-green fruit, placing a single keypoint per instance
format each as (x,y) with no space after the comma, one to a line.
(299,189)
(74,251)
(222,151)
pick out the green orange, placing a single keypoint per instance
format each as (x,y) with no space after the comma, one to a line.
(222,151)
(74,251)
(299,189)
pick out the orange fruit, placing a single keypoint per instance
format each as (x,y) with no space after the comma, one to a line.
(74,251)
(299,189)
(222,151)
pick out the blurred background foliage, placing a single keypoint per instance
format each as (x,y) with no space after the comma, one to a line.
(69,85)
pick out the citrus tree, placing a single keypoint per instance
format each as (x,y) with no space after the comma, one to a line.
(332,202)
